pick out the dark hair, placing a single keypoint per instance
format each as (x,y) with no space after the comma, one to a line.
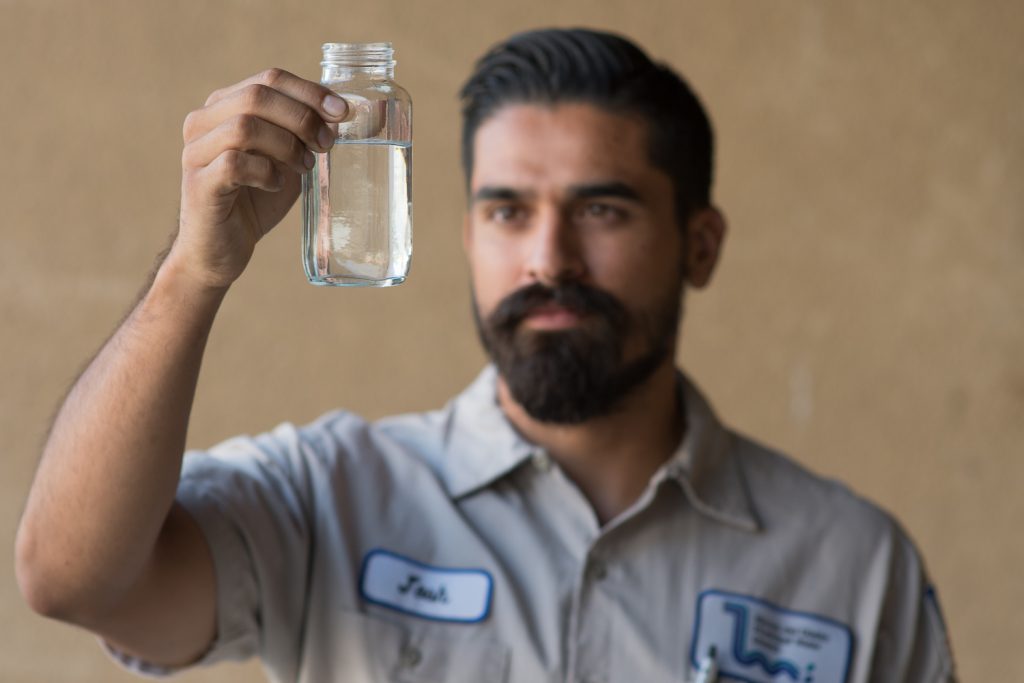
(580,65)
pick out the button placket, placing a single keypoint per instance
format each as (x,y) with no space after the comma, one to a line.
(589,632)
(409,657)
(541,461)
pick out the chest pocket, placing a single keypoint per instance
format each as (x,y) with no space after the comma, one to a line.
(421,651)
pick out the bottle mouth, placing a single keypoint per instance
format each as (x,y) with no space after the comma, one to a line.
(358,55)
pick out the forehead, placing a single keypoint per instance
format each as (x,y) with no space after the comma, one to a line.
(526,145)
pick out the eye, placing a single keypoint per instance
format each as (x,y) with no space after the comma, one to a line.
(602,211)
(505,213)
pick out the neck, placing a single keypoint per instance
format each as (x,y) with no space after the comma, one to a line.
(611,458)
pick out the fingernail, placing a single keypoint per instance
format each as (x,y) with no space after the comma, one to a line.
(308,159)
(325,137)
(335,106)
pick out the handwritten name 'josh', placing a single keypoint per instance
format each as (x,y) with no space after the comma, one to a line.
(414,585)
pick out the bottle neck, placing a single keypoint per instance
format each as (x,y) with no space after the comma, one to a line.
(346,61)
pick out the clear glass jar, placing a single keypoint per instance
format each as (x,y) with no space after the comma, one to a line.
(357,199)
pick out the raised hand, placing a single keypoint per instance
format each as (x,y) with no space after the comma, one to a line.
(245,152)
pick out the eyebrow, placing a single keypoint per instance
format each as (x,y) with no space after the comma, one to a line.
(489,192)
(610,189)
(588,191)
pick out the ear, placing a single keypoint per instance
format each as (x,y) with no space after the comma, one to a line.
(705,233)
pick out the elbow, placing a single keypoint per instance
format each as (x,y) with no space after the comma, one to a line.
(31,577)
(39,581)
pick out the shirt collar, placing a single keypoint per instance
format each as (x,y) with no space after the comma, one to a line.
(481,446)
(706,466)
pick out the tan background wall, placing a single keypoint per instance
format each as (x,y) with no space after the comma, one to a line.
(867,316)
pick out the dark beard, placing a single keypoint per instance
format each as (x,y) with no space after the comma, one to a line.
(571,376)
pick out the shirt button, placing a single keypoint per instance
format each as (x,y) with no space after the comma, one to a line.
(598,570)
(410,657)
(541,461)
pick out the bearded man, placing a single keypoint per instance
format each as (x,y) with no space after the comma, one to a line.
(577,514)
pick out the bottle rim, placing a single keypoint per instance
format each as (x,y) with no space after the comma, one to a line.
(358,54)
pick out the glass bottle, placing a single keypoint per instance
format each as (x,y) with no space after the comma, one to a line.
(357,199)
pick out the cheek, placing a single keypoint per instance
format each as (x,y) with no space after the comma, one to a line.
(641,272)
(631,261)
(493,273)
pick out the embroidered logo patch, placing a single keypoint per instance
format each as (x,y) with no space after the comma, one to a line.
(758,642)
(440,593)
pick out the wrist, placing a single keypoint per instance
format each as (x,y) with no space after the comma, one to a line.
(177,285)
(182,271)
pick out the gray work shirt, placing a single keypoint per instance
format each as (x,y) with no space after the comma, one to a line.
(443,547)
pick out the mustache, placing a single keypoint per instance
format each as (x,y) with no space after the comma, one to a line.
(574,296)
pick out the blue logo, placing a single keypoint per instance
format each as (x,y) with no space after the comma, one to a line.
(748,657)
(757,641)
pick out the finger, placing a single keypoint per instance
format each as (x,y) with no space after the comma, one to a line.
(265,103)
(233,169)
(366,119)
(309,93)
(249,133)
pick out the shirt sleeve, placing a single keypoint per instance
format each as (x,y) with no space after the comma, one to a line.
(912,643)
(249,496)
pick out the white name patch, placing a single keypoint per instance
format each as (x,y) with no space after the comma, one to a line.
(440,593)
(758,642)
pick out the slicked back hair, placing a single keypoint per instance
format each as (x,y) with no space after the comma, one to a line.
(553,66)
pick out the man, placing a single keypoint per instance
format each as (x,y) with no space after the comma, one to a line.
(577,514)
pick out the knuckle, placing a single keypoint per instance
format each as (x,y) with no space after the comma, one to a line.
(188,157)
(298,150)
(232,162)
(255,95)
(309,123)
(243,127)
(271,76)
(188,125)
(214,96)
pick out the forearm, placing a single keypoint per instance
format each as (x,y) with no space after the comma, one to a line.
(110,467)
(101,543)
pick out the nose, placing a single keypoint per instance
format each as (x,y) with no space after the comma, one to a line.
(555,250)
